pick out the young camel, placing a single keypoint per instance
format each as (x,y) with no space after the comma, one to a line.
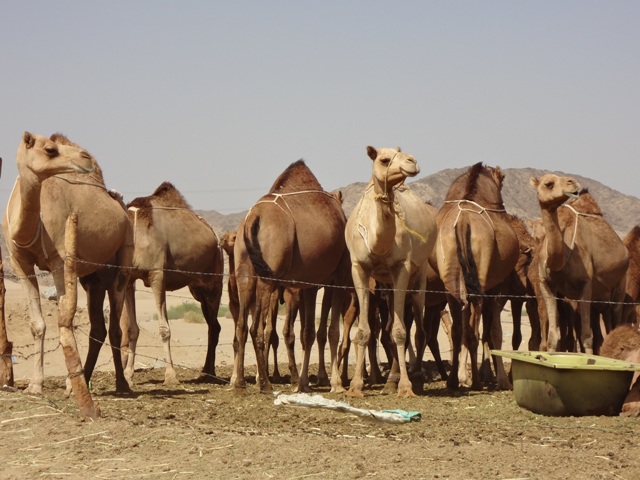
(631,311)
(623,343)
(57,178)
(173,248)
(580,256)
(390,235)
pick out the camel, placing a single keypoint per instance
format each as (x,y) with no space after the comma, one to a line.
(581,257)
(477,249)
(631,311)
(289,296)
(173,248)
(623,343)
(389,235)
(293,237)
(57,178)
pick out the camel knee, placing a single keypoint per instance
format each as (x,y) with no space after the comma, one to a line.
(165,333)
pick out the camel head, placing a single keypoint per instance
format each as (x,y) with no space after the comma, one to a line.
(45,157)
(391,166)
(554,190)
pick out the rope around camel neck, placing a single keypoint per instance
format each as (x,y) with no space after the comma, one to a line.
(575,227)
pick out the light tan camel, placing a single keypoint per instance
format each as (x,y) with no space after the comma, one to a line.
(476,251)
(581,256)
(390,235)
(294,237)
(631,311)
(173,248)
(623,343)
(56,178)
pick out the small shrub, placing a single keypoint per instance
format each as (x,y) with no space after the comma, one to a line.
(193,317)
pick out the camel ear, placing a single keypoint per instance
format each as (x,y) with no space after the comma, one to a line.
(398,149)
(372,152)
(28,140)
(534,182)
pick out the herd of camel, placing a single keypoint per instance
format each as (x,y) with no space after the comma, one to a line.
(395,262)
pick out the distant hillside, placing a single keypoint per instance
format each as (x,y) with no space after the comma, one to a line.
(622,211)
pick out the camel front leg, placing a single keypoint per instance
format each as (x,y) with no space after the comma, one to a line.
(399,331)
(496,343)
(129,324)
(337,302)
(550,335)
(37,324)
(156,281)
(586,333)
(361,284)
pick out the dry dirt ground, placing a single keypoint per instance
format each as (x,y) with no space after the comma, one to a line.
(205,430)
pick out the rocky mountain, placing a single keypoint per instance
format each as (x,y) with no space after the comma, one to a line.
(622,211)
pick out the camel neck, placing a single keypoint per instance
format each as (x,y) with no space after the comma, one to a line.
(554,241)
(384,229)
(23,213)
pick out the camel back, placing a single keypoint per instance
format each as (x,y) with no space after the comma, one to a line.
(478,184)
(166,195)
(296,177)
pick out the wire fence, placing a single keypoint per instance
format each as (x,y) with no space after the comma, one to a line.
(54,345)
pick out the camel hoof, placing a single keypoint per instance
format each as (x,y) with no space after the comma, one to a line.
(303,389)
(122,388)
(33,390)
(504,386)
(406,393)
(354,393)
(171,380)
(389,389)
(323,381)
(338,389)
(240,391)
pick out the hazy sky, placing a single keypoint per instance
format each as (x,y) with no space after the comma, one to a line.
(220,97)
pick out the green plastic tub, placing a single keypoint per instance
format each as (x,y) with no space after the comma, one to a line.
(563,384)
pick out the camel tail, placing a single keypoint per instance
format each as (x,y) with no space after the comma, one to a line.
(255,252)
(468,263)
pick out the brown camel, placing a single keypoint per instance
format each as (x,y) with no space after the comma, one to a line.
(293,237)
(476,251)
(631,312)
(581,257)
(623,343)
(173,248)
(57,178)
(289,296)
(390,235)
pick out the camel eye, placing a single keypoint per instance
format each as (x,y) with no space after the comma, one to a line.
(385,161)
(549,185)
(51,151)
